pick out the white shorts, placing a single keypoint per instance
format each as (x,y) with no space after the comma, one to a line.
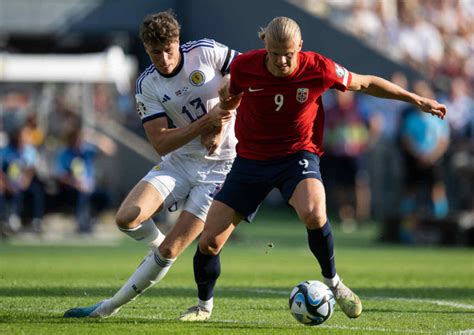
(188,180)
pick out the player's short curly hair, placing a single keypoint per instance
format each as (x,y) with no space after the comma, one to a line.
(280,29)
(160,28)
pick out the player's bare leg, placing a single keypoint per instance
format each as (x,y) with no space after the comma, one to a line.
(150,271)
(134,215)
(221,222)
(309,201)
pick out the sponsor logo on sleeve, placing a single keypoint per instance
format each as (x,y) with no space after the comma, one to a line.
(342,72)
(339,70)
(141,109)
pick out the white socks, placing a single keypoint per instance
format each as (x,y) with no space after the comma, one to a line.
(146,232)
(207,304)
(332,282)
(151,271)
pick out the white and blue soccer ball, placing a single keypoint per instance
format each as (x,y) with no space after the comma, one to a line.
(311,302)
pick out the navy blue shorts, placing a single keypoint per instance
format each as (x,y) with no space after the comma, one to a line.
(249,181)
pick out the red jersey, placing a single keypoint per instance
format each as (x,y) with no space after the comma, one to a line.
(279,116)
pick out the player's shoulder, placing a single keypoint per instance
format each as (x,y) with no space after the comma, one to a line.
(249,57)
(145,78)
(315,59)
(201,45)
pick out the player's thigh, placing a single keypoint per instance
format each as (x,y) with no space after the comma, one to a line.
(186,229)
(139,205)
(245,186)
(309,202)
(163,186)
(220,223)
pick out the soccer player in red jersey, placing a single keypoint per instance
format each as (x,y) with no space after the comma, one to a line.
(279,128)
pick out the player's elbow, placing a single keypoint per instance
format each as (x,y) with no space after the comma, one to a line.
(161,151)
(161,148)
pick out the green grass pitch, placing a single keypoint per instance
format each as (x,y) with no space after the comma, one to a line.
(405,290)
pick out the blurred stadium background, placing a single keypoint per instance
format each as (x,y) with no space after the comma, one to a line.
(71,65)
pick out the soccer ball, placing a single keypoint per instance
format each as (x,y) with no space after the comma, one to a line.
(311,302)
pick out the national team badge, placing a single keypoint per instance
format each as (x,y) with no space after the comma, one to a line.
(302,94)
(197,78)
(339,70)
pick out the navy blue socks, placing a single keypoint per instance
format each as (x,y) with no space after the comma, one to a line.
(207,269)
(321,244)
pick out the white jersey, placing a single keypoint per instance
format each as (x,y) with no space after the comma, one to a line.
(189,93)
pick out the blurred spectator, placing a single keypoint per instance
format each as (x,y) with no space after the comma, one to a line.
(35,133)
(19,182)
(75,172)
(461,109)
(383,120)
(434,36)
(424,141)
(13,107)
(461,151)
(346,139)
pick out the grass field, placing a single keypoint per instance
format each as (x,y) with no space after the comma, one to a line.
(405,290)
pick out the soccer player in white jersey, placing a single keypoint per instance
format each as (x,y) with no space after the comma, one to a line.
(181,84)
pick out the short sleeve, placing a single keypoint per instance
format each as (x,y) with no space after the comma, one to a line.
(148,105)
(220,55)
(335,75)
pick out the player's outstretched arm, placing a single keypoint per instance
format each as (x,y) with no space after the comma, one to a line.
(382,88)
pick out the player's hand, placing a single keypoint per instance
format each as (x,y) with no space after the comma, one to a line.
(433,107)
(227,100)
(219,117)
(212,139)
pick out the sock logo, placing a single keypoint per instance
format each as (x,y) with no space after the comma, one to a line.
(135,288)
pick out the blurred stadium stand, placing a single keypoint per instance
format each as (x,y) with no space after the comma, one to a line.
(67,27)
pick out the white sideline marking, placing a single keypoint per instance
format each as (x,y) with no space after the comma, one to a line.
(464,332)
(429,301)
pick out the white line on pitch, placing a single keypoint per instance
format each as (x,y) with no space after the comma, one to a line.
(429,301)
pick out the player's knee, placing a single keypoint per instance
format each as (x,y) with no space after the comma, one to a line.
(168,250)
(208,247)
(313,218)
(128,217)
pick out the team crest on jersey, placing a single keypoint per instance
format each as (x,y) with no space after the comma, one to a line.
(302,94)
(197,78)
(141,109)
(339,70)
(157,167)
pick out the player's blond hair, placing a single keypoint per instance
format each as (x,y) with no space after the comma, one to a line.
(280,29)
(160,28)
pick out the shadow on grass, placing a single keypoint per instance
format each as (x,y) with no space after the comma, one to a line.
(452,293)
(40,318)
